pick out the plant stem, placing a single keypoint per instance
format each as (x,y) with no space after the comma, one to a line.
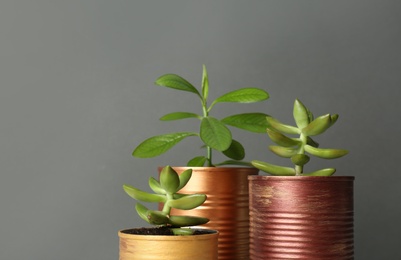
(167,209)
(298,168)
(208,148)
(209,157)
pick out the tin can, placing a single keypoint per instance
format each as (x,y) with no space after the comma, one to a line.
(301,217)
(227,206)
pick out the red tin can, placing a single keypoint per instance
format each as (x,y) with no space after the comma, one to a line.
(301,217)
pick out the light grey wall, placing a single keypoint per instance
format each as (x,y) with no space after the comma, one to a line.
(77,95)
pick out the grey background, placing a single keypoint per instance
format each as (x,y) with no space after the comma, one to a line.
(77,96)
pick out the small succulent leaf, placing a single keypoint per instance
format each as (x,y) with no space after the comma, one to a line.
(155,186)
(301,114)
(253,122)
(322,172)
(300,159)
(178,116)
(187,202)
(160,144)
(142,211)
(286,152)
(179,231)
(176,82)
(198,161)
(187,221)
(179,195)
(205,84)
(234,162)
(184,177)
(310,116)
(236,151)
(317,126)
(334,119)
(325,153)
(274,124)
(281,139)
(311,142)
(244,95)
(169,180)
(140,195)
(215,134)
(157,217)
(273,169)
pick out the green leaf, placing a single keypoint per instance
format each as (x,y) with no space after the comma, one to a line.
(322,172)
(169,180)
(187,202)
(325,153)
(178,116)
(157,217)
(234,162)
(160,144)
(334,119)
(198,161)
(215,134)
(155,186)
(236,151)
(244,95)
(310,116)
(184,177)
(286,152)
(176,82)
(205,84)
(281,139)
(253,122)
(311,142)
(300,159)
(179,195)
(143,195)
(317,126)
(274,124)
(142,211)
(301,114)
(180,231)
(186,221)
(273,169)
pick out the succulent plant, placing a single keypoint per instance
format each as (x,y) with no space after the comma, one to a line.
(166,191)
(213,132)
(297,149)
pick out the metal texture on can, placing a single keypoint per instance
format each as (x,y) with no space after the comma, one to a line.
(162,247)
(227,206)
(301,217)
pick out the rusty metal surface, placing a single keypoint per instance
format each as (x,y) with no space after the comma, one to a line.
(227,206)
(301,218)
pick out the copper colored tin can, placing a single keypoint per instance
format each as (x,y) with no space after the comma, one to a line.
(301,218)
(227,206)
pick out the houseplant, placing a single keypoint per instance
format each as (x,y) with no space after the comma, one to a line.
(213,132)
(173,238)
(226,187)
(296,214)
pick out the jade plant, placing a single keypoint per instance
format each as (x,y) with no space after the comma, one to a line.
(299,149)
(166,192)
(213,133)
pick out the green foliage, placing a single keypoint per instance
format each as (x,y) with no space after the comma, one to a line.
(296,148)
(166,191)
(214,133)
